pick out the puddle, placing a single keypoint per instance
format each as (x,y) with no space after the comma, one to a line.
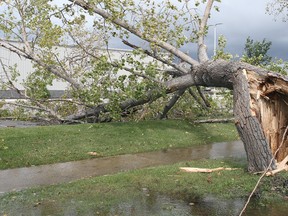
(154,204)
(163,205)
(20,178)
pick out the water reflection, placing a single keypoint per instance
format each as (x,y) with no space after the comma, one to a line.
(154,204)
(209,206)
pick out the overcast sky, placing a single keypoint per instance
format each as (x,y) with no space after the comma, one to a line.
(243,18)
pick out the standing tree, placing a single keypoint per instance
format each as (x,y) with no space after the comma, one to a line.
(255,52)
(159,30)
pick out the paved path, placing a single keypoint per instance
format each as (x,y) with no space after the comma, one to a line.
(20,178)
(16,123)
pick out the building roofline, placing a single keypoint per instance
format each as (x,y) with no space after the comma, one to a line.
(71,46)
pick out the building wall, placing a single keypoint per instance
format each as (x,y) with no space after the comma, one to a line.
(25,66)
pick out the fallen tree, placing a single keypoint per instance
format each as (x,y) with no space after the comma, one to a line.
(260,96)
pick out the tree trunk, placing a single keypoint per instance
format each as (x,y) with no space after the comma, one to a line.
(268,102)
(265,116)
(260,106)
(248,125)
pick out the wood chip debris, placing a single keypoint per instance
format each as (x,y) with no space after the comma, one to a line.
(204,170)
(93,153)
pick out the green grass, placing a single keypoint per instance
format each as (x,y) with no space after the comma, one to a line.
(21,147)
(101,194)
(105,195)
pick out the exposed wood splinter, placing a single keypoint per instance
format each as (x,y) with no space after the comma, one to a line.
(204,170)
(282,166)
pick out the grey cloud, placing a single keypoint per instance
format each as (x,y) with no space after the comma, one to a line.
(243,18)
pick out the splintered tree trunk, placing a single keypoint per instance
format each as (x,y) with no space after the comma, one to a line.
(260,107)
(261,113)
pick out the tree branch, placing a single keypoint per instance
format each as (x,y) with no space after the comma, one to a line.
(219,79)
(202,49)
(52,68)
(207,104)
(177,67)
(172,102)
(114,64)
(201,103)
(166,46)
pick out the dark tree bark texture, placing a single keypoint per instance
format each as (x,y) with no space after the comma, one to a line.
(260,107)
(261,113)
(248,125)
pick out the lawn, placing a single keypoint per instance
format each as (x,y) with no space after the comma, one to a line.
(24,147)
(159,190)
(156,191)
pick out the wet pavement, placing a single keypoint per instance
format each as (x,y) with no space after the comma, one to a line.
(17,123)
(21,178)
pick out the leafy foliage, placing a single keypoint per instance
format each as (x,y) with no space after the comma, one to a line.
(278,66)
(278,8)
(220,52)
(256,53)
(36,84)
(69,44)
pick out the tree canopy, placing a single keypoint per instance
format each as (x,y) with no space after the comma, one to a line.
(255,52)
(94,75)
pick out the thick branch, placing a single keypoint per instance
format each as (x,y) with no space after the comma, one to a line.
(202,49)
(201,103)
(166,46)
(180,70)
(171,103)
(212,73)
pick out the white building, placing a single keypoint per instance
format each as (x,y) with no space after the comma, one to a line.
(25,67)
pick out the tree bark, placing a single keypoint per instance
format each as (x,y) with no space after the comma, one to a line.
(268,102)
(248,125)
(260,108)
(202,102)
